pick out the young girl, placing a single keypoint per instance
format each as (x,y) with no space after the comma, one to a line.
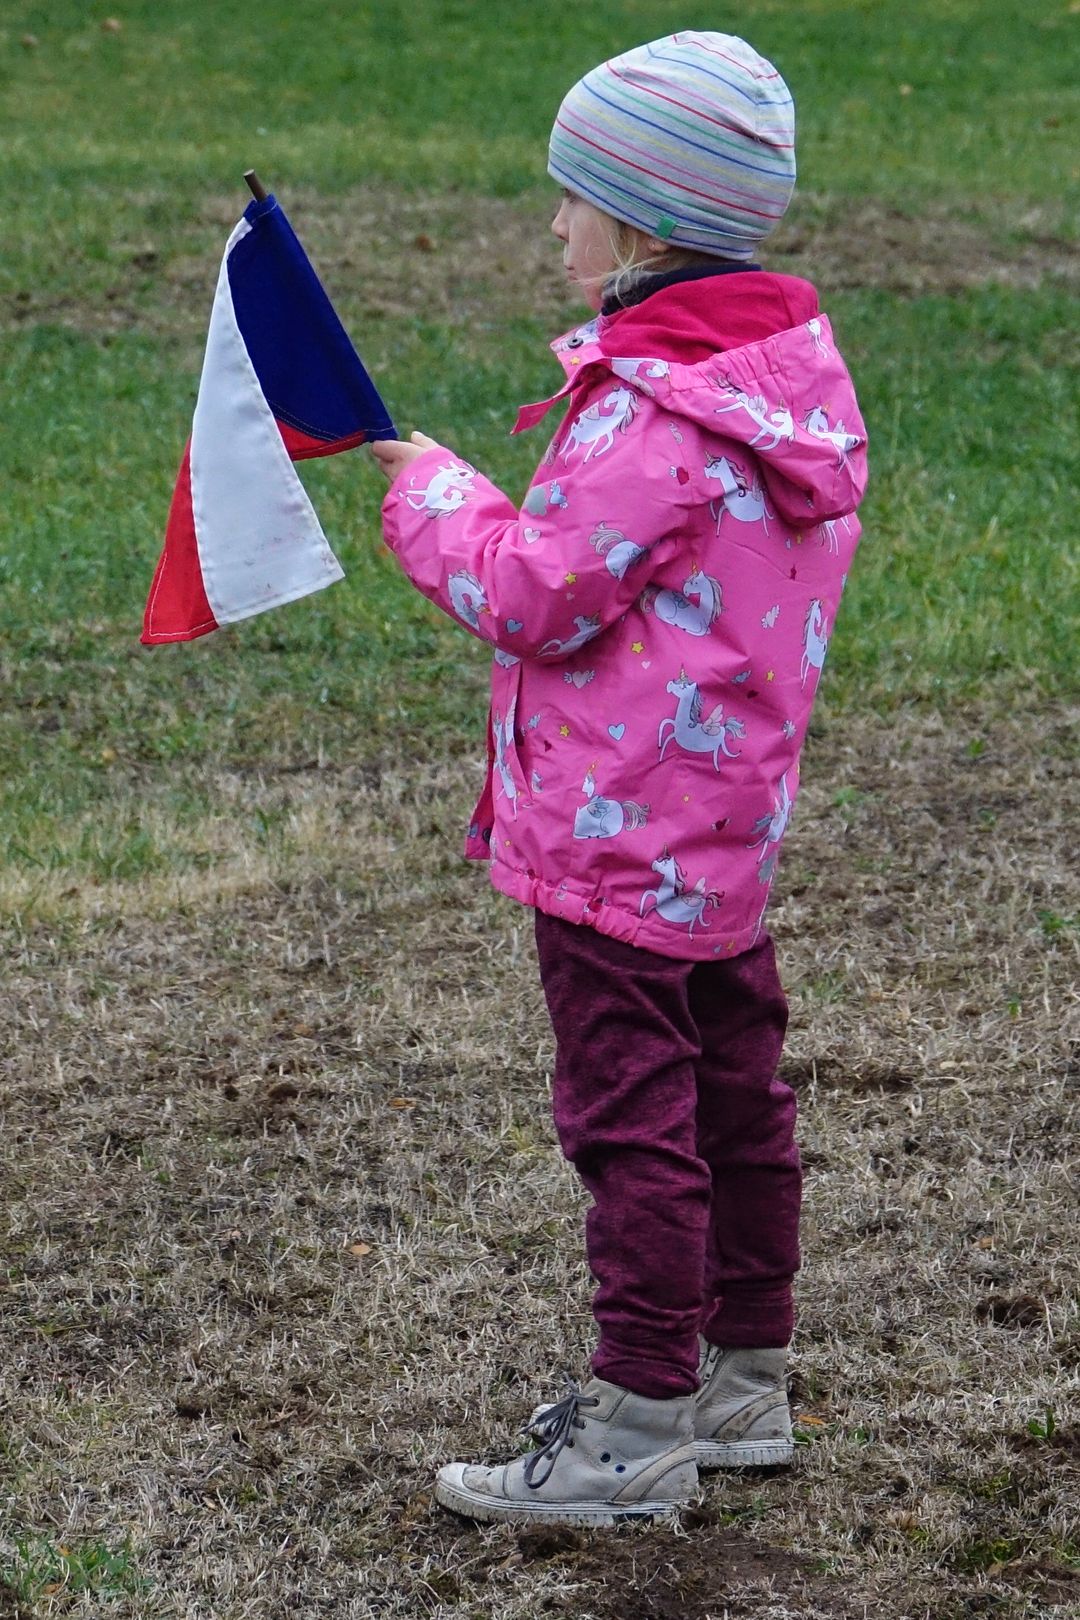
(659,609)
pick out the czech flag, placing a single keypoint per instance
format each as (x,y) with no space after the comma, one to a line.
(280,382)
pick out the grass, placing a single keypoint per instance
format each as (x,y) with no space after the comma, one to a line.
(366,91)
(963,574)
(41,1569)
(286,1226)
(961,591)
(285,1222)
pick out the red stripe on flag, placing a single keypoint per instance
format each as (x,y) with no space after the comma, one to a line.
(304,446)
(177,608)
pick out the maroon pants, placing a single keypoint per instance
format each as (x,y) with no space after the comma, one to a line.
(667,1103)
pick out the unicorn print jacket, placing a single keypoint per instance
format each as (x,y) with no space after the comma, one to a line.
(659,607)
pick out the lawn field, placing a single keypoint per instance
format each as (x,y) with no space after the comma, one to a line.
(285,1225)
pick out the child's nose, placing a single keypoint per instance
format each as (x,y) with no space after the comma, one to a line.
(558,225)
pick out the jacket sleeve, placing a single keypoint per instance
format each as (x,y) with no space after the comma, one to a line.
(606,508)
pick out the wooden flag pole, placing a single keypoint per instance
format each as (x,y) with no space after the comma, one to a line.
(255,185)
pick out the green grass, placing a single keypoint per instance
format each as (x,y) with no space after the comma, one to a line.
(437,92)
(112,139)
(966,581)
(42,1568)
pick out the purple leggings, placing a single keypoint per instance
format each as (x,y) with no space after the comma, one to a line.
(667,1103)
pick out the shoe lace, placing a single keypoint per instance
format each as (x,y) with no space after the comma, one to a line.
(553,1428)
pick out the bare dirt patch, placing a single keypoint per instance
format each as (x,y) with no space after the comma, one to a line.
(286,1226)
(454,257)
(858,242)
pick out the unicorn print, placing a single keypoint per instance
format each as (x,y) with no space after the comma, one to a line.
(674,902)
(592,426)
(676,608)
(586,629)
(467,595)
(771,425)
(618,552)
(503,732)
(742,497)
(692,732)
(628,371)
(447,492)
(772,826)
(828,528)
(815,641)
(606,818)
(814,328)
(817,423)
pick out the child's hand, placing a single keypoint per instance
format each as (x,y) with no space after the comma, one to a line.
(394,454)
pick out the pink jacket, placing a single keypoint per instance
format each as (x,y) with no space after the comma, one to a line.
(659,608)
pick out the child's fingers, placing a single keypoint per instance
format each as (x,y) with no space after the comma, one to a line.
(394,454)
(389,452)
(388,459)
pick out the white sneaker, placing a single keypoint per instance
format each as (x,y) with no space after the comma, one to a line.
(607,1455)
(741,1415)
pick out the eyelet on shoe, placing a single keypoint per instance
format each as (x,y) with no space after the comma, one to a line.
(620,1468)
(605,1456)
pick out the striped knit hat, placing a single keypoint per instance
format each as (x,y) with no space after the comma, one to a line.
(691,138)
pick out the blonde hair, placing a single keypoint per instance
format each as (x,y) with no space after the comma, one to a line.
(633,261)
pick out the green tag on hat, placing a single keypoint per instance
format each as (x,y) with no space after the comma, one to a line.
(665,225)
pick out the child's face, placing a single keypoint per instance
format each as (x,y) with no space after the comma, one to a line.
(589,254)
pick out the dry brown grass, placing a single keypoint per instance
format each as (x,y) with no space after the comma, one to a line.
(287,1227)
(461,257)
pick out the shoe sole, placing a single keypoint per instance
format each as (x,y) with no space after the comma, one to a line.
(743,1453)
(459,1499)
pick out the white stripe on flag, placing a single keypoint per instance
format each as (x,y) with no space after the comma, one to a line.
(260,543)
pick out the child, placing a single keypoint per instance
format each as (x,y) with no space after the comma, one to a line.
(659,610)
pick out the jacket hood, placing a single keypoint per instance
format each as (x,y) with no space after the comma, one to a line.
(750,359)
(692,320)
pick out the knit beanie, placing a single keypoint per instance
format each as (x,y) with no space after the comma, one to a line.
(690,138)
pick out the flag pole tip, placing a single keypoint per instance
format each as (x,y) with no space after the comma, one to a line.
(255,185)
